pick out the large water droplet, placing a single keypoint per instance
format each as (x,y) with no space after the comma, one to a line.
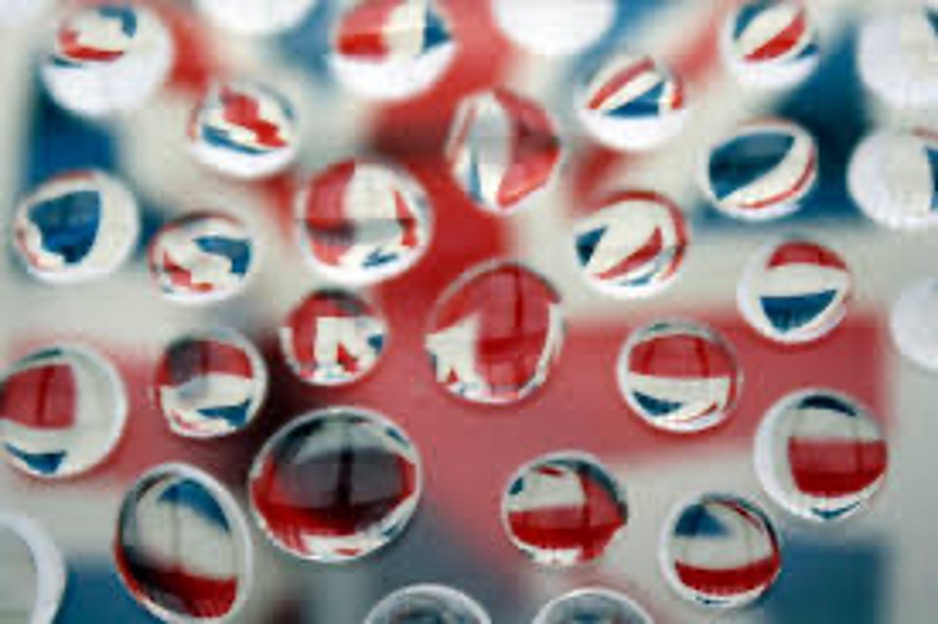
(795,291)
(210,383)
(592,606)
(633,244)
(244,130)
(32,572)
(257,17)
(770,43)
(182,546)
(763,170)
(495,334)
(333,338)
(721,551)
(62,411)
(77,226)
(108,58)
(202,258)
(893,178)
(392,50)
(558,28)
(335,485)
(503,150)
(914,323)
(820,455)
(564,508)
(427,604)
(632,102)
(679,376)
(363,221)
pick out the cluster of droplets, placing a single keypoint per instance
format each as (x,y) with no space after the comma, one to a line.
(819,454)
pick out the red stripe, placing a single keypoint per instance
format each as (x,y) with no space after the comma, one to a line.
(44,397)
(682,356)
(361,32)
(71,47)
(806,177)
(804,252)
(535,149)
(244,111)
(641,257)
(621,79)
(730,581)
(324,213)
(783,41)
(828,468)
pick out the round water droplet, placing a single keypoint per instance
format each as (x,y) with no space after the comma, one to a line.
(679,376)
(563,509)
(632,102)
(202,258)
(720,550)
(32,572)
(333,338)
(770,43)
(593,605)
(427,604)
(820,455)
(914,323)
(392,49)
(77,226)
(795,291)
(633,244)
(210,383)
(62,411)
(106,59)
(244,130)
(18,12)
(896,55)
(361,222)
(893,178)
(257,17)
(182,546)
(763,170)
(336,485)
(558,28)
(503,150)
(495,334)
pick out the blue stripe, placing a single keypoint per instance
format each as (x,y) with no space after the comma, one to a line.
(743,160)
(827,402)
(654,406)
(43,463)
(586,244)
(69,224)
(697,521)
(238,252)
(789,313)
(234,415)
(188,493)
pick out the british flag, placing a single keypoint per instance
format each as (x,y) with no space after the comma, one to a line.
(874,569)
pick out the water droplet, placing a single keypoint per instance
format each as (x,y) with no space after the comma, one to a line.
(333,338)
(427,604)
(244,130)
(202,258)
(761,171)
(770,43)
(392,50)
(495,334)
(914,323)
(592,606)
(721,551)
(257,17)
(820,455)
(563,509)
(62,411)
(107,59)
(210,383)
(795,291)
(633,244)
(32,571)
(896,55)
(503,150)
(893,178)
(362,222)
(182,546)
(559,28)
(679,376)
(336,485)
(632,102)
(77,226)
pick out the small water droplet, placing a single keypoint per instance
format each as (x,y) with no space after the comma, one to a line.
(914,323)
(593,606)
(427,604)
(257,17)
